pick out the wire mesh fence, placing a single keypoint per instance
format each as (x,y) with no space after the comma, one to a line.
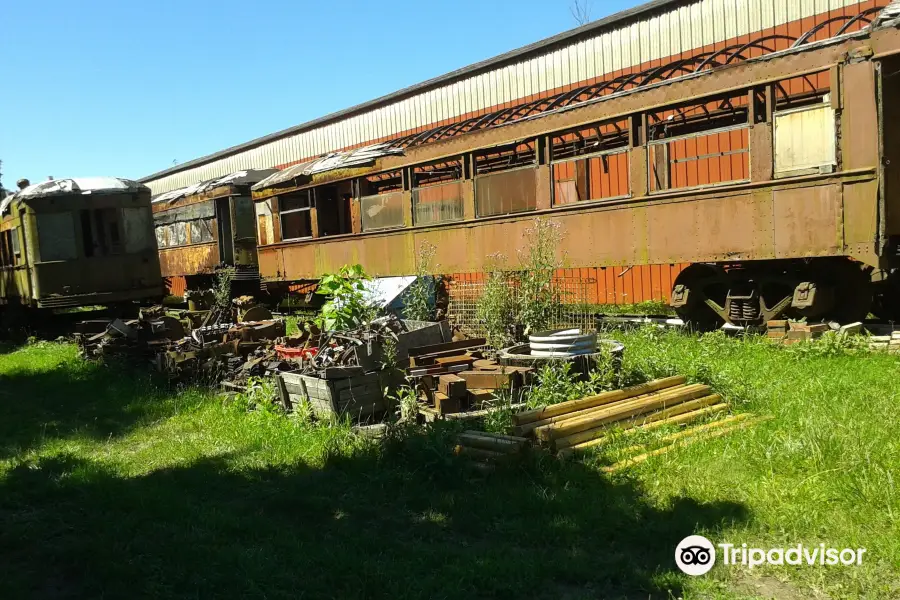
(573,310)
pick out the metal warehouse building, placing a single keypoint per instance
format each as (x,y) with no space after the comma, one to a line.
(652,44)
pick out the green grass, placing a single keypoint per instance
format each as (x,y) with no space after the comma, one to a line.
(112,485)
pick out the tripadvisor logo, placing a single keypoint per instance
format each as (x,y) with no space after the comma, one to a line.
(696,555)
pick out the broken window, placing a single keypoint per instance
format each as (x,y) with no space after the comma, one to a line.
(805,126)
(381,202)
(382,211)
(56,236)
(437,195)
(333,209)
(181,233)
(699,144)
(161,241)
(506,179)
(7,257)
(590,163)
(295,214)
(201,231)
(100,232)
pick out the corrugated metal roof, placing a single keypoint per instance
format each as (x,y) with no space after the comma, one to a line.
(245,177)
(75,185)
(615,19)
(598,53)
(360,157)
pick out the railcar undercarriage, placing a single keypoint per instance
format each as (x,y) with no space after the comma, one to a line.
(752,293)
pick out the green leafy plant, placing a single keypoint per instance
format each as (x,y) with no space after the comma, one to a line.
(556,383)
(259,395)
(222,289)
(348,306)
(538,299)
(496,308)
(418,301)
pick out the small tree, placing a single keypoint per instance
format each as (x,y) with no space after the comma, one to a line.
(496,308)
(581,11)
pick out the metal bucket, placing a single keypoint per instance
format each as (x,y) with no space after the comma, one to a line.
(560,343)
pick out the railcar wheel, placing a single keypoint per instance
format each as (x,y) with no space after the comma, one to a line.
(693,287)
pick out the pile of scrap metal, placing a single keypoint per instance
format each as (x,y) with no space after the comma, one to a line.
(346,372)
(184,348)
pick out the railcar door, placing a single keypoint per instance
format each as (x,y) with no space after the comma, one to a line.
(225,230)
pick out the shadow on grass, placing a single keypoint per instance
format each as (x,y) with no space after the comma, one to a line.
(406,522)
(74,398)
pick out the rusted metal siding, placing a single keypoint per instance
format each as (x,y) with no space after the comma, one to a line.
(612,285)
(189,260)
(643,41)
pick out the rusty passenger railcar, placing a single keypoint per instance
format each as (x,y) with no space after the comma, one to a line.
(206,227)
(78,242)
(749,139)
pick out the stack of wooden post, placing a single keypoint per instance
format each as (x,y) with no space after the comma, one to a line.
(454,377)
(574,426)
(481,445)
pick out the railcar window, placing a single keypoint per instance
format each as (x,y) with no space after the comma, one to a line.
(201,231)
(295,214)
(161,240)
(700,144)
(381,204)
(100,232)
(505,180)
(181,233)
(590,163)
(137,223)
(437,195)
(14,244)
(56,236)
(6,252)
(805,126)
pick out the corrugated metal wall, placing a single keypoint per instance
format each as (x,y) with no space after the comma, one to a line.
(612,285)
(697,26)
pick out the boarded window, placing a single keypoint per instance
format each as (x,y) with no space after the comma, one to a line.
(438,193)
(805,140)
(382,211)
(265,222)
(138,225)
(56,236)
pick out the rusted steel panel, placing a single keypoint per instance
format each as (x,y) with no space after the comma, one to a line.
(861,221)
(860,117)
(189,260)
(808,221)
(761,157)
(731,227)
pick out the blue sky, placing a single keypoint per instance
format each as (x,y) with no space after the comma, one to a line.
(125,88)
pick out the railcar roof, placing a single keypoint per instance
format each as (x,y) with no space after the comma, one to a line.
(74,186)
(245,177)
